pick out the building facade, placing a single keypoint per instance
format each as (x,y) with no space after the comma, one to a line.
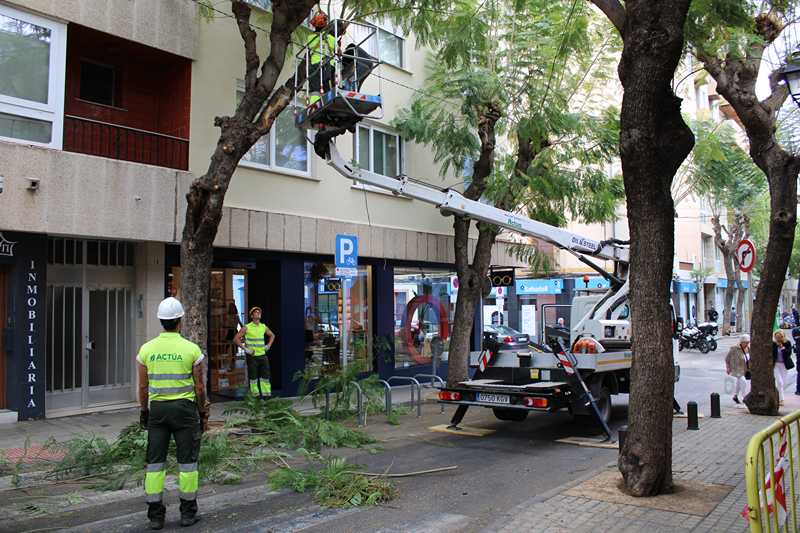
(107,119)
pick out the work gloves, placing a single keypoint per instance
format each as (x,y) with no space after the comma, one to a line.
(144,416)
(205,412)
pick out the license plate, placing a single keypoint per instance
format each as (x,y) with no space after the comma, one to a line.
(493,398)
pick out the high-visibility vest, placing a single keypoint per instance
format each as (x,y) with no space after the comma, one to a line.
(328,47)
(169,359)
(254,338)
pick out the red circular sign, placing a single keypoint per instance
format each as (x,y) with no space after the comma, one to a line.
(746,255)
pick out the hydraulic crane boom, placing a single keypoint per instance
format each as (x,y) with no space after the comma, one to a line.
(451,201)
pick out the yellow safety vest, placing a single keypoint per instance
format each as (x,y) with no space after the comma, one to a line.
(328,47)
(254,338)
(169,359)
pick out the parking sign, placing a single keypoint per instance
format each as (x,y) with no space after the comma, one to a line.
(346,255)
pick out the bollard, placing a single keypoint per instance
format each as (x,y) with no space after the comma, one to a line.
(691,411)
(623,434)
(715,409)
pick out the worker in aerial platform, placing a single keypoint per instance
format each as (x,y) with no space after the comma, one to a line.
(173,403)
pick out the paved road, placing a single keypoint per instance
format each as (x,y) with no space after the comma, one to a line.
(496,473)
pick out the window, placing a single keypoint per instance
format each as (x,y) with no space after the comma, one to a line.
(323,298)
(385,43)
(424,307)
(98,83)
(284,149)
(378,151)
(32,58)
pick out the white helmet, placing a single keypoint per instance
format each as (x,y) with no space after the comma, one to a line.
(169,309)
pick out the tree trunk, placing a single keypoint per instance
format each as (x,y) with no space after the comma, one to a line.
(654,141)
(730,272)
(763,397)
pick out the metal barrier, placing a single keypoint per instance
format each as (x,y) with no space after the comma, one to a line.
(434,379)
(387,393)
(414,383)
(771,501)
(361,412)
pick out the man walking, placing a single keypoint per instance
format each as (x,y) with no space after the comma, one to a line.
(253,339)
(173,400)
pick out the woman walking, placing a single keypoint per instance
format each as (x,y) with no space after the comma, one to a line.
(782,361)
(736,366)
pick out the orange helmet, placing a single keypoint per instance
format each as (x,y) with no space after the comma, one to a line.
(319,20)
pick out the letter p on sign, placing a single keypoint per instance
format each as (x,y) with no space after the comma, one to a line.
(346,251)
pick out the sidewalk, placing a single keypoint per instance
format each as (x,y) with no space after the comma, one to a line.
(708,469)
(108,424)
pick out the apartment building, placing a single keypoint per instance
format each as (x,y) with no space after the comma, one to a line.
(106,115)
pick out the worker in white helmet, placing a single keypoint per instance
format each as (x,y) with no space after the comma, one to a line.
(173,403)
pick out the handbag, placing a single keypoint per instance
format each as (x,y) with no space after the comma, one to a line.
(787,360)
(747,374)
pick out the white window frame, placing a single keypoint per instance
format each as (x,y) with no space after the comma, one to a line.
(394,33)
(53,110)
(272,167)
(356,145)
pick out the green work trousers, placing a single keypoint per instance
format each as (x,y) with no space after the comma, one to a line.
(178,419)
(258,374)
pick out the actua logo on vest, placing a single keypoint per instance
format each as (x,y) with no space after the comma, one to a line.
(166,357)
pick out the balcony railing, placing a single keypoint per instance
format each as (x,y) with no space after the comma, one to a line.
(87,136)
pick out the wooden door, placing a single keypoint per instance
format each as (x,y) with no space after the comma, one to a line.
(3,323)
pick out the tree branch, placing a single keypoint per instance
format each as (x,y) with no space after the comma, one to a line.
(242,13)
(614,11)
(777,97)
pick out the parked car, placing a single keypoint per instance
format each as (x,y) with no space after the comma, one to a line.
(509,338)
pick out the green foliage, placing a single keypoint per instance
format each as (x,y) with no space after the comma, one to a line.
(334,483)
(721,170)
(528,60)
(339,384)
(759,233)
(276,424)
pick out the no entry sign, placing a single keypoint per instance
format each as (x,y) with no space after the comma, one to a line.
(746,255)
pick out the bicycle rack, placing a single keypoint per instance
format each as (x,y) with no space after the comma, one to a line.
(361,414)
(434,379)
(387,391)
(413,382)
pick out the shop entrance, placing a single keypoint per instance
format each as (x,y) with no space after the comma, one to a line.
(227,312)
(3,325)
(90,333)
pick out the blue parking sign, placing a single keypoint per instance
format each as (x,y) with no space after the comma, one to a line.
(346,251)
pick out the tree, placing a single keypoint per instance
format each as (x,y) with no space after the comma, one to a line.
(500,99)
(723,174)
(731,38)
(263,100)
(654,140)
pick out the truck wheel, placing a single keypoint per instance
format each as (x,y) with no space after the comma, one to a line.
(603,400)
(512,415)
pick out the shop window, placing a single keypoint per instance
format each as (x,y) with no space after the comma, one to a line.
(424,307)
(32,59)
(284,148)
(324,295)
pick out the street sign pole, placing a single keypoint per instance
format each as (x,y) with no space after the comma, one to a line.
(346,259)
(345,321)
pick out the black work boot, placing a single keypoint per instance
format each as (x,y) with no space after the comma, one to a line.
(156,512)
(189,513)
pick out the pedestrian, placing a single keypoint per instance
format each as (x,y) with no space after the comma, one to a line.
(796,338)
(795,316)
(253,339)
(737,365)
(782,361)
(173,403)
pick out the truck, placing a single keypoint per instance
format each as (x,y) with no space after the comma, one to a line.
(578,369)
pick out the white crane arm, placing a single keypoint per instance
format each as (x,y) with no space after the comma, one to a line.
(454,202)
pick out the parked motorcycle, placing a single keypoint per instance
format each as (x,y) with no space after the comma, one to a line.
(709,328)
(692,337)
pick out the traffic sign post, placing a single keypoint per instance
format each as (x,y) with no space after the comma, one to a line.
(346,261)
(746,255)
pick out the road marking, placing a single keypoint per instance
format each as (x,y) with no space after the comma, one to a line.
(462,430)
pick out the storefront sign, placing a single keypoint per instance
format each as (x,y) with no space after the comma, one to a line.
(723,283)
(689,287)
(6,246)
(34,380)
(540,286)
